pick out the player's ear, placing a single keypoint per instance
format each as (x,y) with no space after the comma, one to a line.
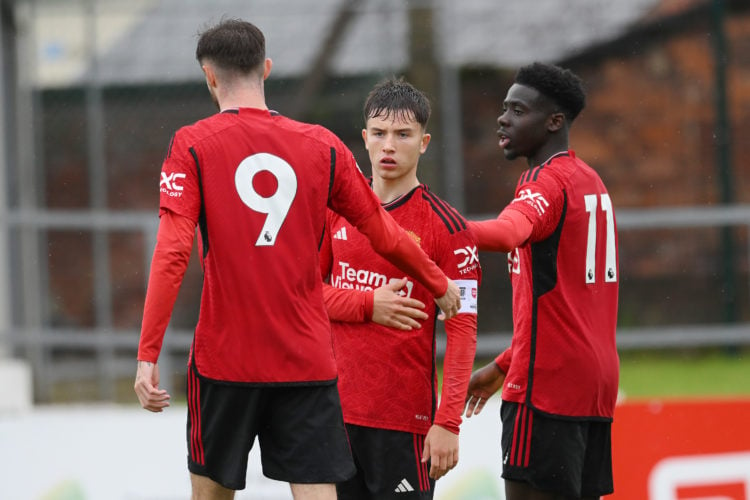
(425,141)
(267,65)
(208,70)
(364,136)
(555,121)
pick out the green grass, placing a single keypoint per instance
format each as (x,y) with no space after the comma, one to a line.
(682,374)
(705,373)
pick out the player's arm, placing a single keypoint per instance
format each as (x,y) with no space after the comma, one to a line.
(441,443)
(174,242)
(511,229)
(391,241)
(348,305)
(384,306)
(486,381)
(461,334)
(457,256)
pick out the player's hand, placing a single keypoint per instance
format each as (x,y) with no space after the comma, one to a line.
(441,449)
(147,387)
(391,309)
(449,303)
(483,383)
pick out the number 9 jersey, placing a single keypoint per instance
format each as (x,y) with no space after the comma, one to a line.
(563,357)
(257,185)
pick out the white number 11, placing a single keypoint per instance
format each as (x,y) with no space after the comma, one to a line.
(610,265)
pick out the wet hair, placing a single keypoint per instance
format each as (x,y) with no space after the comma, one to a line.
(233,45)
(397,98)
(561,86)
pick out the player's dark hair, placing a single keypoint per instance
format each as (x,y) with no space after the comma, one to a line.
(397,98)
(559,85)
(232,44)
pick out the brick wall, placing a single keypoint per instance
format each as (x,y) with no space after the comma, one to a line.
(649,130)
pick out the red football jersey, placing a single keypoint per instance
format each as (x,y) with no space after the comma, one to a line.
(257,185)
(387,377)
(563,356)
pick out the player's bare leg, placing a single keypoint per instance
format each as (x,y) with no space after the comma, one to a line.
(314,491)
(207,489)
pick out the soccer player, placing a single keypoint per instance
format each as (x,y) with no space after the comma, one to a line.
(401,439)
(559,377)
(257,185)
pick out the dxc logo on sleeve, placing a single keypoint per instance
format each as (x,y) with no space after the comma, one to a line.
(471,259)
(536,200)
(169,183)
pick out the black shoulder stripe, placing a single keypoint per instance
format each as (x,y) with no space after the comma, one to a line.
(202,222)
(536,172)
(440,214)
(330,191)
(333,173)
(322,235)
(169,148)
(450,217)
(530,174)
(523,179)
(452,212)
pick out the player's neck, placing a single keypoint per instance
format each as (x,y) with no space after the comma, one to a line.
(388,190)
(548,151)
(242,98)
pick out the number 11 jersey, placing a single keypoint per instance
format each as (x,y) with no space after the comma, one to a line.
(563,356)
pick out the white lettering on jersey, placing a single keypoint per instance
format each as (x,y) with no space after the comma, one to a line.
(514,261)
(363,279)
(470,259)
(536,200)
(168,184)
(470,254)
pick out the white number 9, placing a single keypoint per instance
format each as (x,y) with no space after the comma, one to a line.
(276,206)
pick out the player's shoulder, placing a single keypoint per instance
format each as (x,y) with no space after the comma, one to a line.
(197,131)
(574,174)
(312,131)
(558,170)
(186,137)
(447,218)
(568,165)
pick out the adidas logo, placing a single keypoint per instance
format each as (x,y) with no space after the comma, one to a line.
(403,487)
(340,234)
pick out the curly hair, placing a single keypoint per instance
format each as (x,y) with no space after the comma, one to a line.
(561,86)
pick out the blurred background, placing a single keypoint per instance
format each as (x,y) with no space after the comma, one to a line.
(92,90)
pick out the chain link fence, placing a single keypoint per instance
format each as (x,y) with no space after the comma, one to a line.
(82,212)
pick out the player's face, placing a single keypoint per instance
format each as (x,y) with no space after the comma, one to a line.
(395,143)
(522,125)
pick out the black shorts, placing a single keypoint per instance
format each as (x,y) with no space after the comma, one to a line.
(389,466)
(300,431)
(562,456)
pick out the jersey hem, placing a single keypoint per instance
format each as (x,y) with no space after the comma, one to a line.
(269,383)
(559,416)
